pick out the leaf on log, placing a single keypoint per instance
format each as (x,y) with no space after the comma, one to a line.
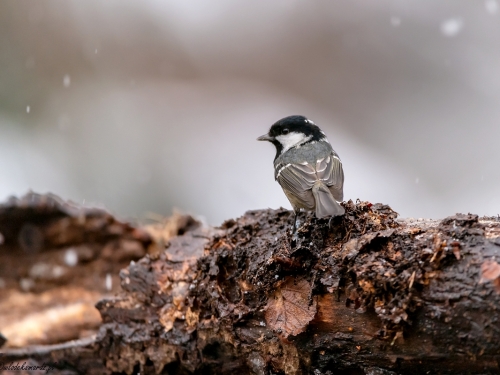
(290,308)
(490,271)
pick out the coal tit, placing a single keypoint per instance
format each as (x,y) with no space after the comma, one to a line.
(306,166)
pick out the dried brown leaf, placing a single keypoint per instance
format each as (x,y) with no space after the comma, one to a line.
(490,270)
(290,308)
(192,318)
(168,314)
(412,280)
(367,286)
(455,246)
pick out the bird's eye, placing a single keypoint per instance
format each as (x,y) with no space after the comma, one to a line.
(286,131)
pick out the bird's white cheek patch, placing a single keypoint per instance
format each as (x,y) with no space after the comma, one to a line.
(291,139)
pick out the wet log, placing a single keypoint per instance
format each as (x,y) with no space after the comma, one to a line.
(368,295)
(57,260)
(365,294)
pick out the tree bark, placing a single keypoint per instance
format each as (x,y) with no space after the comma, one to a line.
(364,294)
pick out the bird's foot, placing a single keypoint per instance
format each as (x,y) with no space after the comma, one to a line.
(330,222)
(294,235)
(295,227)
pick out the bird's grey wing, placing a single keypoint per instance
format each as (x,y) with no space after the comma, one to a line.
(329,170)
(297,181)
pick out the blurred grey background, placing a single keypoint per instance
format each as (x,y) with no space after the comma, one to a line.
(148,105)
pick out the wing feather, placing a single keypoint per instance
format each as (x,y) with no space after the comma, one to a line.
(298,179)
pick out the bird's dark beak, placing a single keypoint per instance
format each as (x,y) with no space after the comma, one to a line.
(265,137)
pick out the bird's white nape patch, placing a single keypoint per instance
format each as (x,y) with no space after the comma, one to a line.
(291,140)
(323,138)
(310,122)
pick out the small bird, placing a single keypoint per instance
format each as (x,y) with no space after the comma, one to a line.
(306,166)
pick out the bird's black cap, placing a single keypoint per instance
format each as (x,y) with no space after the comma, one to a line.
(295,123)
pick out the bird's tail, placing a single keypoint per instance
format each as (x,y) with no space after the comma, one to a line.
(326,205)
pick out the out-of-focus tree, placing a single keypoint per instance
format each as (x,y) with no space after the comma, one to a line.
(145,106)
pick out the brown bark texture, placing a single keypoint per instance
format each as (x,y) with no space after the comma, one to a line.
(366,293)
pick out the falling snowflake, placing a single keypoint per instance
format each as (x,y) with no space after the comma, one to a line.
(491,6)
(451,27)
(395,21)
(67,81)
